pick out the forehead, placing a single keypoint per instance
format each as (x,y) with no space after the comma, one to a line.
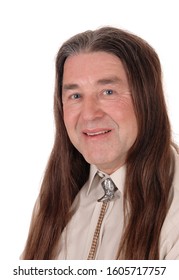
(93,66)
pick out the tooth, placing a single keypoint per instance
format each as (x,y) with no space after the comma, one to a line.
(97,133)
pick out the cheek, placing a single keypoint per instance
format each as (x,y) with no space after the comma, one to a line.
(130,124)
(127,109)
(68,116)
(125,117)
(123,111)
(70,120)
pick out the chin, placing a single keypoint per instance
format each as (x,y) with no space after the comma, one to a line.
(97,162)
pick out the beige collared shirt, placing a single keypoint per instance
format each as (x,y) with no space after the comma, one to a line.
(77,237)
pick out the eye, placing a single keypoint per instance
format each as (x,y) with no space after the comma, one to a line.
(75,96)
(108,92)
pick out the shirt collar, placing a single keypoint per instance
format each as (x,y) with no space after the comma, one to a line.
(93,173)
(118,177)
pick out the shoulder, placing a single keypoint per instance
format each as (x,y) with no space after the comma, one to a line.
(169,241)
(176,174)
(174,205)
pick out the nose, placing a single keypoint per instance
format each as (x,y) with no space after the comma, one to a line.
(91,109)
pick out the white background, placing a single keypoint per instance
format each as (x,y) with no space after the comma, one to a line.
(31,33)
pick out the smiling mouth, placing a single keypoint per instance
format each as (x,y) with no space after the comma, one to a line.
(92,134)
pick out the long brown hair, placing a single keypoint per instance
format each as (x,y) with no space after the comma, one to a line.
(149,165)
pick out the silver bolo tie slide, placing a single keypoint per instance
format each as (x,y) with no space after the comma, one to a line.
(109,190)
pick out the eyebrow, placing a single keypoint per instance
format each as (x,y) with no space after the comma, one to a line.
(70,86)
(105,81)
(111,80)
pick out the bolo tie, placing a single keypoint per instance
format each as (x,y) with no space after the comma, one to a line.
(109,190)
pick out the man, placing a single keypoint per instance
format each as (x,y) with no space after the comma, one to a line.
(110,190)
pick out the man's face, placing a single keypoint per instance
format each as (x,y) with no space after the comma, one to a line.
(98,109)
